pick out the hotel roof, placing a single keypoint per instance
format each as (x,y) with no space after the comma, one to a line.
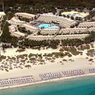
(26,15)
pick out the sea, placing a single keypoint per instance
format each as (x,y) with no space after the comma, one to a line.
(77,86)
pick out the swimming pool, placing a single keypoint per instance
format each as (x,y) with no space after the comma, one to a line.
(47,26)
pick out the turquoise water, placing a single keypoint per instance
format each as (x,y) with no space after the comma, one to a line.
(44,26)
(48,26)
(82,86)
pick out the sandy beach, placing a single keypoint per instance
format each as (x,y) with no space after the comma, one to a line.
(33,66)
(55,69)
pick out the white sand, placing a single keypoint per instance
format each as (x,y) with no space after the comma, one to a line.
(41,69)
(79,62)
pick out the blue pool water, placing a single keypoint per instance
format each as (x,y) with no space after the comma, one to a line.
(44,26)
(83,86)
(47,26)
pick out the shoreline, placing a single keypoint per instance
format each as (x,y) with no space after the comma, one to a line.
(66,68)
(48,81)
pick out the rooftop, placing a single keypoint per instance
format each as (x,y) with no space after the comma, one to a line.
(27,15)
